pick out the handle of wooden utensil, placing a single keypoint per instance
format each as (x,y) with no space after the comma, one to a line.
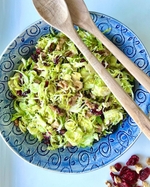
(139,75)
(125,100)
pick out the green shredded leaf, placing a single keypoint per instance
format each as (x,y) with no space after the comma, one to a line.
(60,98)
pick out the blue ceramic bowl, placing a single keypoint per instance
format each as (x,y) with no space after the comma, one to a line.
(71,160)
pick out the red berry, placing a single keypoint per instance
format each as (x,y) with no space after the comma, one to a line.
(144,174)
(133,160)
(124,184)
(118,166)
(128,175)
(112,175)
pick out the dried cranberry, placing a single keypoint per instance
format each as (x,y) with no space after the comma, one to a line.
(24,94)
(37,71)
(52,47)
(19,93)
(34,57)
(144,173)
(46,64)
(46,138)
(118,166)
(12,96)
(103,63)
(112,176)
(20,75)
(82,60)
(128,175)
(124,184)
(56,60)
(21,80)
(96,112)
(38,51)
(62,131)
(133,160)
(46,84)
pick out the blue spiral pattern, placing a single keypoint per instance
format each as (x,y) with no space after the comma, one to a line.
(7,66)
(71,159)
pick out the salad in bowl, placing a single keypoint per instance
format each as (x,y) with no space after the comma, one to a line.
(60,99)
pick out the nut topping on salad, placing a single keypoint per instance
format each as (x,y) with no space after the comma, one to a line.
(60,99)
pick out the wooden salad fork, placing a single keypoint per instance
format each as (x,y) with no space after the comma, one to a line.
(56,13)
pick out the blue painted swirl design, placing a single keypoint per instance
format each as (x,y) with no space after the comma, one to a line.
(119,38)
(24,50)
(141,63)
(42,149)
(7,66)
(16,131)
(84,158)
(72,159)
(105,149)
(33,30)
(141,96)
(54,161)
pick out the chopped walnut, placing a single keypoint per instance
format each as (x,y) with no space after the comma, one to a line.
(113,169)
(108,184)
(88,114)
(63,84)
(89,104)
(99,130)
(16,122)
(68,144)
(73,100)
(53,108)
(60,43)
(78,85)
(145,184)
(55,125)
(117,179)
(148,161)
(138,167)
(57,110)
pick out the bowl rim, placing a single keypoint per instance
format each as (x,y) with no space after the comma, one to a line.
(91,12)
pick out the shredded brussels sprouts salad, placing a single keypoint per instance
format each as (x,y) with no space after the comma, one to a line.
(60,99)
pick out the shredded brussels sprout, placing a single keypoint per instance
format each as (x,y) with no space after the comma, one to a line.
(60,99)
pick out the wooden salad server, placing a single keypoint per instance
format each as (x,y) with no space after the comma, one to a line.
(80,16)
(56,13)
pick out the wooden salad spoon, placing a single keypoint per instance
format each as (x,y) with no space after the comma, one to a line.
(80,16)
(56,13)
